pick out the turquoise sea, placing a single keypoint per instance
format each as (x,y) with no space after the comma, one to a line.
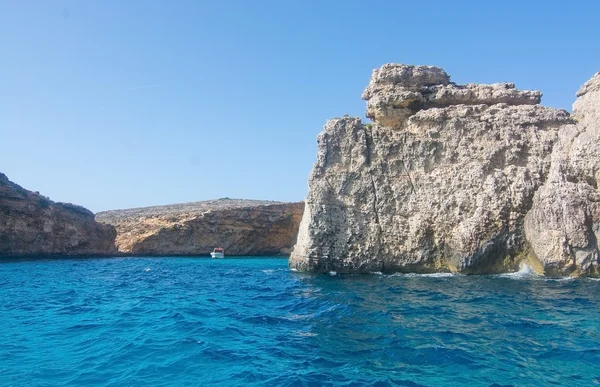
(250,321)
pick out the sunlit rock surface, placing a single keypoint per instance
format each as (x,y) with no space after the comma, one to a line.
(444,179)
(241,227)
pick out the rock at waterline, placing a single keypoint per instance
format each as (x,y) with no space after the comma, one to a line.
(452,178)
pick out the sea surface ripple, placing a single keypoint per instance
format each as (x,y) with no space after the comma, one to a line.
(250,321)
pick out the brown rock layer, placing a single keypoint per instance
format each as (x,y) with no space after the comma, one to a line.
(31,224)
(241,227)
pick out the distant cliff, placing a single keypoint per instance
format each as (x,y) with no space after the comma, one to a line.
(31,224)
(460,178)
(241,227)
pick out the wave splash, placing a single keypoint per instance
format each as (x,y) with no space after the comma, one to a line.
(525,271)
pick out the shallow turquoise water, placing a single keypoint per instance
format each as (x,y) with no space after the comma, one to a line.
(250,321)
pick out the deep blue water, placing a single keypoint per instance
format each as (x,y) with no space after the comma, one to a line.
(250,321)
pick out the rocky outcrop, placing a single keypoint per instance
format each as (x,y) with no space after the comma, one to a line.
(563,225)
(396,92)
(241,227)
(446,178)
(31,224)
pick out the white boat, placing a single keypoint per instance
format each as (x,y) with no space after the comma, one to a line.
(218,252)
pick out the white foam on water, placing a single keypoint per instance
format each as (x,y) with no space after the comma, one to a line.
(268,271)
(564,279)
(306,334)
(298,317)
(430,275)
(525,271)
(147,269)
(439,275)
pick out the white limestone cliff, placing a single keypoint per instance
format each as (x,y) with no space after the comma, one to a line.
(442,180)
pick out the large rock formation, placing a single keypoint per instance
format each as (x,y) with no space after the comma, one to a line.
(445,176)
(242,227)
(31,224)
(563,226)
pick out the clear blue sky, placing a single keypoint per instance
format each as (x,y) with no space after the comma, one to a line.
(116,104)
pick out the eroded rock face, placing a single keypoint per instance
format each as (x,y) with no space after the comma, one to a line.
(241,227)
(398,91)
(31,224)
(563,226)
(444,178)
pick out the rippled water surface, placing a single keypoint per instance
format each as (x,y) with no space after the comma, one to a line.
(250,321)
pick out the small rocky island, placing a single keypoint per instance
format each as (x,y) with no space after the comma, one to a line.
(32,224)
(241,227)
(455,178)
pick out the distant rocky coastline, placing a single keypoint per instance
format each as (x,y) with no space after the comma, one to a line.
(241,227)
(455,178)
(33,225)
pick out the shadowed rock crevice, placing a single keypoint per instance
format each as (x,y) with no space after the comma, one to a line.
(562,224)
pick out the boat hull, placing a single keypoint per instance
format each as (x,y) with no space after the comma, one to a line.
(217,255)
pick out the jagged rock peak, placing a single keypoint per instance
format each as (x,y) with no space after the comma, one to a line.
(397,91)
(407,76)
(586,108)
(593,84)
